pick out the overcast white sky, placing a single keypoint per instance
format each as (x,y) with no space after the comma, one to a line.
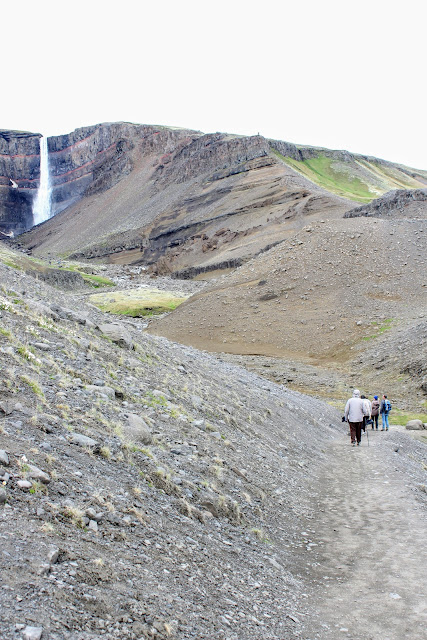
(338,74)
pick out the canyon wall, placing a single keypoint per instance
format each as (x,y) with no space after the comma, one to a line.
(82,163)
(179,176)
(19,179)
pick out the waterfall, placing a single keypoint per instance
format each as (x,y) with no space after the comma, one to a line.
(41,206)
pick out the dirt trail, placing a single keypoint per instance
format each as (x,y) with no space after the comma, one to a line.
(368,559)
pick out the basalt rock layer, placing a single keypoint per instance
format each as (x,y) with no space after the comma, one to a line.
(19,179)
(412,204)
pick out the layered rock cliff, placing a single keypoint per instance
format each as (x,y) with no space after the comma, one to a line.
(180,200)
(93,159)
(396,204)
(19,179)
(173,199)
(85,162)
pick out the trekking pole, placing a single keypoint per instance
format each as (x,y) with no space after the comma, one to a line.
(367,434)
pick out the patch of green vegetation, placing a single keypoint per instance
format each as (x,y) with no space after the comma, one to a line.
(155,400)
(25,353)
(321,171)
(34,386)
(97,281)
(398,416)
(137,303)
(391,176)
(90,278)
(380,327)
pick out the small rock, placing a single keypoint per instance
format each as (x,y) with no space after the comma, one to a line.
(4,458)
(37,474)
(83,441)
(3,496)
(196,401)
(101,390)
(93,525)
(43,569)
(32,633)
(43,346)
(24,484)
(52,554)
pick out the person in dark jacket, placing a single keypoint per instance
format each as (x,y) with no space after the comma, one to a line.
(375,411)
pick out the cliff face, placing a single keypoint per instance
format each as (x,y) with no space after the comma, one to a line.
(93,159)
(19,179)
(172,199)
(396,204)
(85,162)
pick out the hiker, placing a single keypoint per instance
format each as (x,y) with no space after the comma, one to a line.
(367,411)
(375,411)
(354,413)
(385,409)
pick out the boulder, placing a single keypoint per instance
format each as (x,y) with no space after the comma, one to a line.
(83,441)
(415,425)
(138,429)
(32,633)
(37,474)
(107,391)
(118,334)
(68,314)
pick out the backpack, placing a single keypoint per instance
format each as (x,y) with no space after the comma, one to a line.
(387,406)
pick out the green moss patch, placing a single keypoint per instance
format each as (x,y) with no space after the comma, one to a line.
(379,328)
(360,180)
(323,171)
(138,302)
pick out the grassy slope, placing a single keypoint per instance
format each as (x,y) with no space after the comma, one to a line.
(137,302)
(363,181)
(28,263)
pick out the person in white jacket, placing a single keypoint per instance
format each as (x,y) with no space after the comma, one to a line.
(355,410)
(367,406)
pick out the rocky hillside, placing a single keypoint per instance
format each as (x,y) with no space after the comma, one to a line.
(352,176)
(148,490)
(335,302)
(398,204)
(186,202)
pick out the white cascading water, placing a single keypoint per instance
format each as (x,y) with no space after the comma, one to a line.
(41,206)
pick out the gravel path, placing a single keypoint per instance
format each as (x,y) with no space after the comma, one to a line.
(369,565)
